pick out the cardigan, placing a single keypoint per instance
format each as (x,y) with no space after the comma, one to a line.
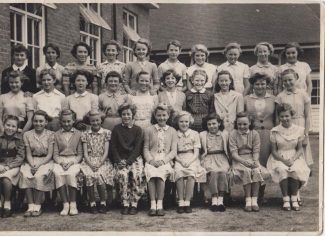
(71,148)
(126,143)
(28,86)
(150,148)
(12,151)
(225,139)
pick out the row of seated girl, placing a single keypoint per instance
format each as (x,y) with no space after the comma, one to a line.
(45,160)
(142,48)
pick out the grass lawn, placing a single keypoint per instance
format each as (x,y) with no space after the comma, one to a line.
(270,217)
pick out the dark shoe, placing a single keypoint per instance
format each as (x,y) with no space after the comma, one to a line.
(37,213)
(133,210)
(93,210)
(255,208)
(152,212)
(102,209)
(180,209)
(125,210)
(160,212)
(28,214)
(248,208)
(187,209)
(214,208)
(221,208)
(6,213)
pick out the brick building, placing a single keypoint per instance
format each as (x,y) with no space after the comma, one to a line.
(34,25)
(215,25)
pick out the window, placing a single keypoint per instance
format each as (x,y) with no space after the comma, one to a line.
(315,93)
(90,33)
(27,28)
(130,35)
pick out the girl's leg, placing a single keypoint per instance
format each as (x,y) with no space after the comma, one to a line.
(285,193)
(293,187)
(7,189)
(152,195)
(160,188)
(102,196)
(180,191)
(189,193)
(255,189)
(91,196)
(73,204)
(30,201)
(63,193)
(248,197)
(109,191)
(38,201)
(222,187)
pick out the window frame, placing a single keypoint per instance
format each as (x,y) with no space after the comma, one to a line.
(25,16)
(127,49)
(90,36)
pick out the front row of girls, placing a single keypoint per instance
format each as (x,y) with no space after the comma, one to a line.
(45,160)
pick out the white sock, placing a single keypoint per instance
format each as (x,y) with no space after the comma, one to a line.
(103,203)
(126,204)
(187,203)
(181,203)
(159,204)
(153,205)
(92,204)
(254,201)
(220,200)
(37,207)
(248,201)
(73,204)
(31,207)
(286,199)
(294,198)
(7,205)
(134,204)
(215,201)
(66,205)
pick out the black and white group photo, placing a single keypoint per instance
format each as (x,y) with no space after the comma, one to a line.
(161,117)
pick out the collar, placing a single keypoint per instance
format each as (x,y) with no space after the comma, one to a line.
(100,131)
(161,128)
(291,92)
(128,126)
(228,63)
(193,90)
(109,94)
(253,95)
(71,130)
(116,62)
(11,94)
(55,91)
(218,133)
(182,134)
(262,65)
(291,65)
(247,132)
(15,136)
(21,68)
(80,95)
(168,62)
(47,66)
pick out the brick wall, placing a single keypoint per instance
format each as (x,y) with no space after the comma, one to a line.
(63,29)
(107,15)
(5,56)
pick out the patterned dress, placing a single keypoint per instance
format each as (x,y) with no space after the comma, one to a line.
(43,179)
(96,142)
(199,105)
(186,144)
(286,140)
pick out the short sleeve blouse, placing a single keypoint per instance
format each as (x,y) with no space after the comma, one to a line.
(39,144)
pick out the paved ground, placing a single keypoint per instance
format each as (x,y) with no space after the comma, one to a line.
(270,217)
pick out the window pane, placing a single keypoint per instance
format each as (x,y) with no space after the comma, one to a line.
(34,8)
(85,4)
(29,31)
(94,6)
(125,40)
(82,23)
(124,55)
(83,38)
(21,6)
(30,56)
(125,19)
(36,33)
(36,57)
(12,26)
(19,28)
(131,22)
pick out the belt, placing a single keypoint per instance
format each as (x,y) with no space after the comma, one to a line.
(217,152)
(188,151)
